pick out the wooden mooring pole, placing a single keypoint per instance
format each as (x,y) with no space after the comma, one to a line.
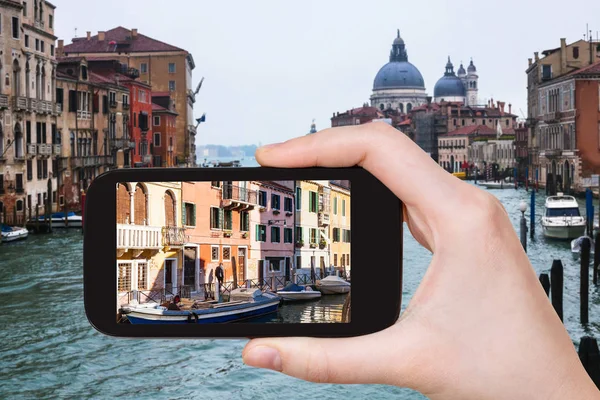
(590,358)
(545,281)
(584,281)
(596,258)
(556,287)
(37,218)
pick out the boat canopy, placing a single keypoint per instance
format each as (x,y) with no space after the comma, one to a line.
(292,287)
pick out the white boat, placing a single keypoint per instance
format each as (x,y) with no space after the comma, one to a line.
(58,220)
(293,292)
(562,219)
(13,233)
(576,245)
(500,184)
(333,285)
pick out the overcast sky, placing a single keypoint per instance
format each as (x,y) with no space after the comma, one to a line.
(270,67)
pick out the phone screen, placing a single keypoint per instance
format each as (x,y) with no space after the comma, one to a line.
(233,252)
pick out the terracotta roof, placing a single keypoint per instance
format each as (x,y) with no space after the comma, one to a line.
(124,43)
(156,107)
(161,94)
(590,69)
(405,122)
(472,130)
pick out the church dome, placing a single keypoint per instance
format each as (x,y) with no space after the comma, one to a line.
(471,68)
(449,85)
(461,71)
(398,73)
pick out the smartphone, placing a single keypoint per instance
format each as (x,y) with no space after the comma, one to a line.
(241,252)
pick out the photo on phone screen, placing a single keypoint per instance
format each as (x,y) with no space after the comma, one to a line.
(214,252)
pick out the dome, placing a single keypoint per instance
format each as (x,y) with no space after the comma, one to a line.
(449,85)
(472,67)
(461,71)
(399,75)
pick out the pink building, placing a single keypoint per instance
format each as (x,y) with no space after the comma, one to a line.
(272,230)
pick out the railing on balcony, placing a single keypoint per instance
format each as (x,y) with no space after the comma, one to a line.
(139,237)
(57,108)
(44,149)
(121,143)
(44,107)
(82,114)
(553,152)
(551,117)
(239,194)
(31,150)
(105,160)
(20,103)
(32,104)
(57,149)
(173,236)
(3,101)
(112,103)
(323,219)
(192,129)
(126,106)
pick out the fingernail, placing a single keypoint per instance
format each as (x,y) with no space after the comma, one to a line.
(268,146)
(263,357)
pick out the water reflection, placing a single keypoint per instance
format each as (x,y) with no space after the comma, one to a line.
(328,309)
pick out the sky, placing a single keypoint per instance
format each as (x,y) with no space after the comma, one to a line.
(271,67)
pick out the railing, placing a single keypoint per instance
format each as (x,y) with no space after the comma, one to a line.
(126,106)
(236,193)
(192,129)
(20,103)
(106,160)
(552,152)
(3,101)
(323,219)
(32,104)
(139,237)
(112,103)
(57,108)
(44,149)
(173,236)
(57,149)
(44,107)
(121,143)
(550,117)
(31,150)
(81,114)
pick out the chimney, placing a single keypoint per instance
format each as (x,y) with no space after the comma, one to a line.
(101,36)
(61,48)
(134,33)
(537,56)
(530,62)
(89,35)
(510,108)
(563,56)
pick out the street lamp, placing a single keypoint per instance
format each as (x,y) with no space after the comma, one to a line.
(523,208)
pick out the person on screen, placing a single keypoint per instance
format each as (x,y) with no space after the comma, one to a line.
(479,326)
(219,274)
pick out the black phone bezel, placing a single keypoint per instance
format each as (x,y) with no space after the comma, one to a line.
(376,250)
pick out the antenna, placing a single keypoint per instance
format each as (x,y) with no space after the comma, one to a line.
(75,32)
(199,86)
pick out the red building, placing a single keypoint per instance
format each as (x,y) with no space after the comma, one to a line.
(140,105)
(164,130)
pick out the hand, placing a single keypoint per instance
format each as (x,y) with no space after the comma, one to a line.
(479,326)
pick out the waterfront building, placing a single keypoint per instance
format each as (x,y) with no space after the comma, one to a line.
(340,224)
(272,231)
(28,110)
(217,220)
(150,240)
(162,66)
(164,130)
(312,215)
(521,151)
(562,112)
(91,129)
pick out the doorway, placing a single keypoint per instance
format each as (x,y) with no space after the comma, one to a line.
(241,271)
(170,276)
(288,267)
(189,267)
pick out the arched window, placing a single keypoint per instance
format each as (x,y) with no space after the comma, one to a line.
(170,209)
(16,83)
(27,78)
(140,211)
(18,141)
(123,204)
(381,107)
(38,83)
(408,107)
(72,142)
(43,84)
(401,107)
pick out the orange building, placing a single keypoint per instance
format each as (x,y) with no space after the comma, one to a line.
(164,129)
(216,217)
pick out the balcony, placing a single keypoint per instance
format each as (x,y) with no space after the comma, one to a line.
(19,103)
(192,129)
(126,106)
(553,153)
(112,103)
(551,117)
(44,150)
(323,219)
(57,149)
(105,160)
(31,150)
(3,101)
(122,143)
(44,107)
(32,104)
(57,108)
(139,237)
(238,198)
(173,236)
(82,114)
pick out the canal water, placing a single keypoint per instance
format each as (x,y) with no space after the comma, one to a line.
(49,350)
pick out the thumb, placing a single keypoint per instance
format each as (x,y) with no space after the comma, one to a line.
(366,359)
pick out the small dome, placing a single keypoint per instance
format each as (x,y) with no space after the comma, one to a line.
(472,67)
(461,71)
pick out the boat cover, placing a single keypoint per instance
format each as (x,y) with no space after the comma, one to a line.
(292,287)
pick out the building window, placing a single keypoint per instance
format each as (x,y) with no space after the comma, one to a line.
(275,234)
(336,235)
(171,86)
(125,100)
(546,72)
(261,233)
(244,221)
(171,68)
(575,52)
(313,235)
(226,253)
(298,262)
(189,214)
(288,204)
(343,208)
(124,278)
(52,50)
(298,198)
(216,218)
(25,9)
(262,198)
(227,220)
(335,206)
(51,21)
(312,202)
(215,184)
(156,139)
(214,253)
(144,68)
(27,41)
(274,265)
(299,234)
(275,202)
(287,235)
(346,237)
(37,44)
(29,170)
(16,28)
(156,120)
(42,48)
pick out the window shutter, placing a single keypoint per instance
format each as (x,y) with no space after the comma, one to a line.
(194,215)
(257,233)
(96,103)
(105,104)
(212,218)
(72,101)
(183,214)
(221,218)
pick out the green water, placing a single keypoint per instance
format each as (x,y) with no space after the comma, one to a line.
(48,349)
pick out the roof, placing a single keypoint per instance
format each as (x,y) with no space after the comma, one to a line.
(157,108)
(113,77)
(405,122)
(590,69)
(472,130)
(124,43)
(161,94)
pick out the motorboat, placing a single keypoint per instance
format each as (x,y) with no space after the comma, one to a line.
(13,233)
(576,244)
(293,292)
(58,220)
(499,184)
(333,285)
(562,219)
(244,303)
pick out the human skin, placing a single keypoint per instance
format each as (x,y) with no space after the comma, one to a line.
(479,326)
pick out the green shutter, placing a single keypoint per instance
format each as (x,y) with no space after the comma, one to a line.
(298,198)
(335,206)
(257,233)
(212,218)
(221,218)
(343,208)
(193,215)
(182,213)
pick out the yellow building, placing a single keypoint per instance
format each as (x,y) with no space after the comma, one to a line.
(150,239)
(340,225)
